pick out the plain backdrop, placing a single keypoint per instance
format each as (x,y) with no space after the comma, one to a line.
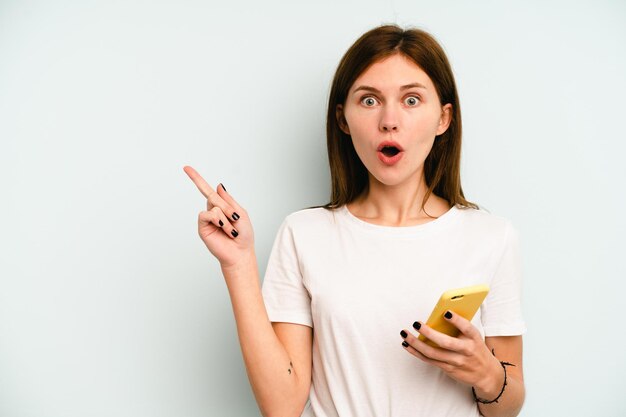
(110,304)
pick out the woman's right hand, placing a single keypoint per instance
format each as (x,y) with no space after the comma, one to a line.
(229,244)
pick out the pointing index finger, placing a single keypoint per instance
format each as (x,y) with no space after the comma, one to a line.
(202,185)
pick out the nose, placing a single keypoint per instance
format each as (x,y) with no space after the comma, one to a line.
(389,119)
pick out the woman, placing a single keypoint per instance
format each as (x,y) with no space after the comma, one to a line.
(397,232)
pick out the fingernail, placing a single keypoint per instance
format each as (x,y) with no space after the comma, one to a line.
(403,334)
(234,233)
(224,188)
(417,325)
(405,344)
(448,315)
(235,216)
(221,223)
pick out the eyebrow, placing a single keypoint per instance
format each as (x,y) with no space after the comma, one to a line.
(404,87)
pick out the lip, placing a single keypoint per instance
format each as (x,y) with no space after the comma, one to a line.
(389,143)
(390,160)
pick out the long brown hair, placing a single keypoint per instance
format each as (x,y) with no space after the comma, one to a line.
(442,166)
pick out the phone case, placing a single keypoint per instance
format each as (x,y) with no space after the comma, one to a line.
(463,301)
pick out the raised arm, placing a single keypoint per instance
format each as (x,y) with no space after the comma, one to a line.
(277,357)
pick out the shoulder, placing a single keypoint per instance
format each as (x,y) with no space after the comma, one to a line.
(484,223)
(310,225)
(310,218)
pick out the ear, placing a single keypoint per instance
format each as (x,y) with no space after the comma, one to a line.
(341,119)
(446,118)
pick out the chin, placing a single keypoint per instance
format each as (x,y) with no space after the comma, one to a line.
(389,180)
(393,179)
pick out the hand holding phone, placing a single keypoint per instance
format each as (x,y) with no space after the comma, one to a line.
(462,301)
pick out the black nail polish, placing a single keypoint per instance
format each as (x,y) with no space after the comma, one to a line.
(417,325)
(234,233)
(224,188)
(448,315)
(403,334)
(235,216)
(405,344)
(221,223)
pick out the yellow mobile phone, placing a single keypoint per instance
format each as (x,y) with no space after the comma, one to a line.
(463,301)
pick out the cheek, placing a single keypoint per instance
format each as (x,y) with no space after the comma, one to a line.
(425,128)
(362,126)
(356,119)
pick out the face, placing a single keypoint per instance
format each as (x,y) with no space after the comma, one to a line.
(393,100)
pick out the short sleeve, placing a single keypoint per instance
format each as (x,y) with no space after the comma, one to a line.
(285,296)
(501,312)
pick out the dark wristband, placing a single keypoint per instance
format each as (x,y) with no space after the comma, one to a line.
(480,400)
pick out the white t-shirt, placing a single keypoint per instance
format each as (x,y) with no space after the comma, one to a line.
(358,284)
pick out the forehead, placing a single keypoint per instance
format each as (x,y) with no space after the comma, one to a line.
(393,72)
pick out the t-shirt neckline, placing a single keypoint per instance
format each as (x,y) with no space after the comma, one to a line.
(442,221)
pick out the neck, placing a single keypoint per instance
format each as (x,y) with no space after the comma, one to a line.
(399,204)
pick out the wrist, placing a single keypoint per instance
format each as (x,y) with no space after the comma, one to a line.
(491,385)
(246,261)
(241,276)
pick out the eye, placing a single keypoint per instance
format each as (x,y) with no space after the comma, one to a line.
(412,101)
(368,101)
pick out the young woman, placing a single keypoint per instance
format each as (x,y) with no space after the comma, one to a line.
(344,279)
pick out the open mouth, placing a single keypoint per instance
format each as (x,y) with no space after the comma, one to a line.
(390,150)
